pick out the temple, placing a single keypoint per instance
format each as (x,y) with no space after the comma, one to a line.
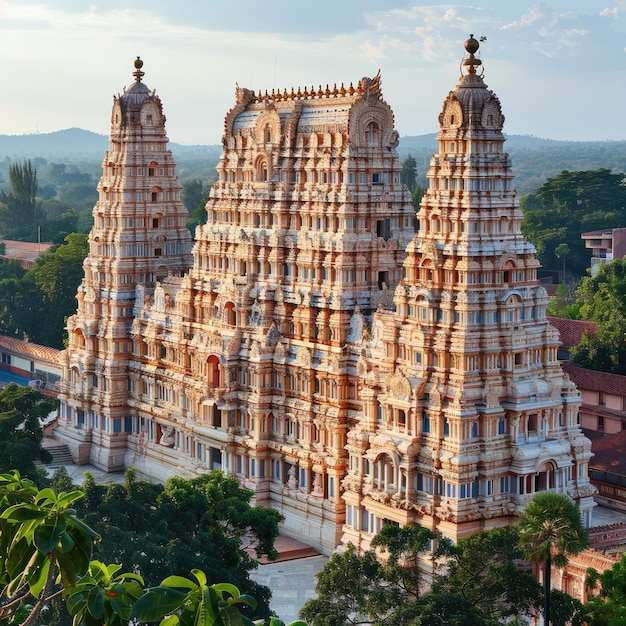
(352,365)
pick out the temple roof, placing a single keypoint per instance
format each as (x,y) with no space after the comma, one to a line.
(135,95)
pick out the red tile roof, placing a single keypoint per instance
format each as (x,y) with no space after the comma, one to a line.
(609,451)
(571,331)
(18,346)
(596,381)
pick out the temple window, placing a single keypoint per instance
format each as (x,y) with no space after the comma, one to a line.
(372,134)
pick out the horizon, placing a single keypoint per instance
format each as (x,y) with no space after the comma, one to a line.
(557,66)
(171,141)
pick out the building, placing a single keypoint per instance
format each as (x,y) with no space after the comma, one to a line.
(25,252)
(466,411)
(349,371)
(606,245)
(570,334)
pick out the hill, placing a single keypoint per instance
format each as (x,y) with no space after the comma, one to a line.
(534,159)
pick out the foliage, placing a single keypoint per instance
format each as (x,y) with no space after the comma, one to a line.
(37,304)
(40,538)
(484,571)
(102,596)
(352,589)
(418,194)
(603,299)
(21,213)
(550,531)
(355,588)
(564,305)
(178,601)
(21,409)
(567,205)
(608,607)
(409,173)
(205,522)
(567,611)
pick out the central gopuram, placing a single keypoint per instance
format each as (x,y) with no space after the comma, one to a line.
(243,364)
(466,412)
(348,370)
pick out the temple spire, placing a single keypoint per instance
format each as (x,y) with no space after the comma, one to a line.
(138,74)
(471,45)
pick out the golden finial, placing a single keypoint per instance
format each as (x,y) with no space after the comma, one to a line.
(138,74)
(342,90)
(472,45)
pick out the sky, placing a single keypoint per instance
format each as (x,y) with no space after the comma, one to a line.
(558,66)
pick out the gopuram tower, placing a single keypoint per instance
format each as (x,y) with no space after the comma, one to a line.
(139,237)
(244,364)
(466,412)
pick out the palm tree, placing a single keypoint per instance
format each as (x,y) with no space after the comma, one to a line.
(550,531)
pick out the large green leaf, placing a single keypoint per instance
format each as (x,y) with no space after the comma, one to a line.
(24,512)
(95,601)
(178,581)
(38,580)
(48,536)
(158,602)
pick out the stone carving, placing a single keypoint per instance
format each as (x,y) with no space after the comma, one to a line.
(292,482)
(167,438)
(355,331)
(398,386)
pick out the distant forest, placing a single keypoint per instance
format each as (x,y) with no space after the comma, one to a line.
(534,159)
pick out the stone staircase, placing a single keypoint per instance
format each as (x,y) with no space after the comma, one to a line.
(60,453)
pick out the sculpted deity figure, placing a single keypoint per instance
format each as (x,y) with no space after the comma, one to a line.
(167,438)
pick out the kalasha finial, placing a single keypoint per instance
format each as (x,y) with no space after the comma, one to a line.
(138,74)
(472,45)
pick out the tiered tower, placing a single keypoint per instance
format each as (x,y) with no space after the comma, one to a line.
(242,365)
(297,352)
(466,411)
(139,238)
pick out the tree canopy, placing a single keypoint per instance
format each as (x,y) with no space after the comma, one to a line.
(21,409)
(550,530)
(603,300)
(46,550)
(21,213)
(566,206)
(206,522)
(37,303)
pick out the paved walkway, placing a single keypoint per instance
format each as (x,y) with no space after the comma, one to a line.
(292,584)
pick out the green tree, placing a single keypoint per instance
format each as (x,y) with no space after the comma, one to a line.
(567,205)
(206,522)
(550,530)
(409,173)
(40,538)
(418,194)
(192,193)
(46,550)
(564,305)
(57,275)
(20,210)
(484,570)
(603,299)
(562,252)
(608,607)
(359,588)
(21,412)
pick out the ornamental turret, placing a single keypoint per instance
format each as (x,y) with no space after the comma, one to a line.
(467,412)
(139,238)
